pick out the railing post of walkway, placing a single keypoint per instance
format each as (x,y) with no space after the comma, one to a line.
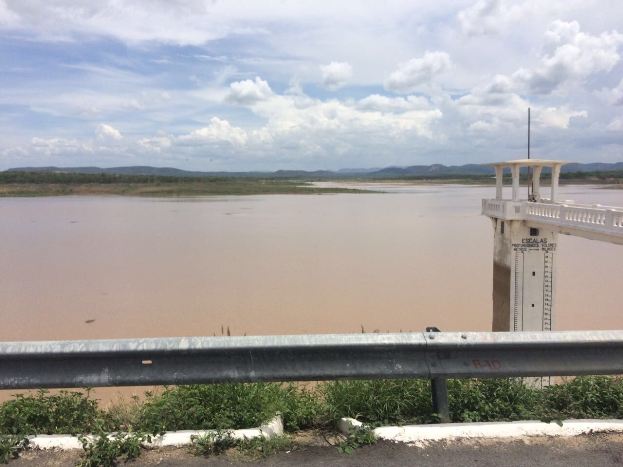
(439,391)
(609,220)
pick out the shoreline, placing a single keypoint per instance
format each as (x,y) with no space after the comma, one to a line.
(169,190)
(239,187)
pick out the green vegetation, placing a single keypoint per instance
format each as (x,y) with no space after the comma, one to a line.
(219,441)
(358,437)
(74,178)
(614,178)
(53,184)
(301,408)
(259,448)
(504,399)
(379,402)
(11,446)
(105,450)
(44,413)
(587,397)
(74,183)
(205,407)
(490,400)
(213,443)
(611,177)
(225,407)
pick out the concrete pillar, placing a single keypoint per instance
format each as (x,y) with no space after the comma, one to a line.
(499,181)
(536,182)
(515,174)
(523,277)
(555,177)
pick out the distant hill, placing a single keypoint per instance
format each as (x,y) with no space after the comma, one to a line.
(129,170)
(433,171)
(592,167)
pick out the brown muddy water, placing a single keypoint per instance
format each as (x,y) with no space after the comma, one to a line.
(112,267)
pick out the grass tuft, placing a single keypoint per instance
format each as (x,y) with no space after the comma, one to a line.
(584,397)
(379,402)
(358,437)
(11,446)
(204,407)
(106,450)
(485,400)
(260,448)
(68,412)
(213,443)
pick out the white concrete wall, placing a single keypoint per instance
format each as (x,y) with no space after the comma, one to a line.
(524,274)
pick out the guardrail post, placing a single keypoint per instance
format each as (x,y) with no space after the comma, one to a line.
(439,390)
(440,399)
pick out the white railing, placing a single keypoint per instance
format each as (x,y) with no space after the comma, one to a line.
(551,211)
(502,209)
(586,218)
(492,206)
(584,215)
(597,218)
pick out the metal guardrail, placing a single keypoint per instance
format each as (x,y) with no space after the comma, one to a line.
(186,360)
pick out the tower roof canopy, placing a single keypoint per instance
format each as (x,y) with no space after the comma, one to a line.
(528,163)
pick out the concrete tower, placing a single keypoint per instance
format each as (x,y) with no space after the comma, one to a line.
(524,255)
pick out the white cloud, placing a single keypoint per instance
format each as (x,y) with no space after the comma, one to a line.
(306,117)
(54,146)
(134,21)
(393,104)
(447,110)
(216,132)
(494,107)
(336,74)
(492,110)
(571,55)
(297,126)
(155,143)
(500,84)
(483,17)
(196,22)
(505,17)
(107,132)
(417,71)
(615,95)
(557,117)
(248,92)
(8,18)
(482,126)
(615,125)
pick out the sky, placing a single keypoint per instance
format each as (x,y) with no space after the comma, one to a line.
(266,85)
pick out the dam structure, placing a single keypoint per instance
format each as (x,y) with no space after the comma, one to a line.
(525,243)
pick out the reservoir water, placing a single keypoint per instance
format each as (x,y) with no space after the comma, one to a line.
(414,256)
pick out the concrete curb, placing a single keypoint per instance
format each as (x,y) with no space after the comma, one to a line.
(424,434)
(170,438)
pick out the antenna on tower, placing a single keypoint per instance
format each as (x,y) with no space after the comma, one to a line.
(531,185)
(528,132)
